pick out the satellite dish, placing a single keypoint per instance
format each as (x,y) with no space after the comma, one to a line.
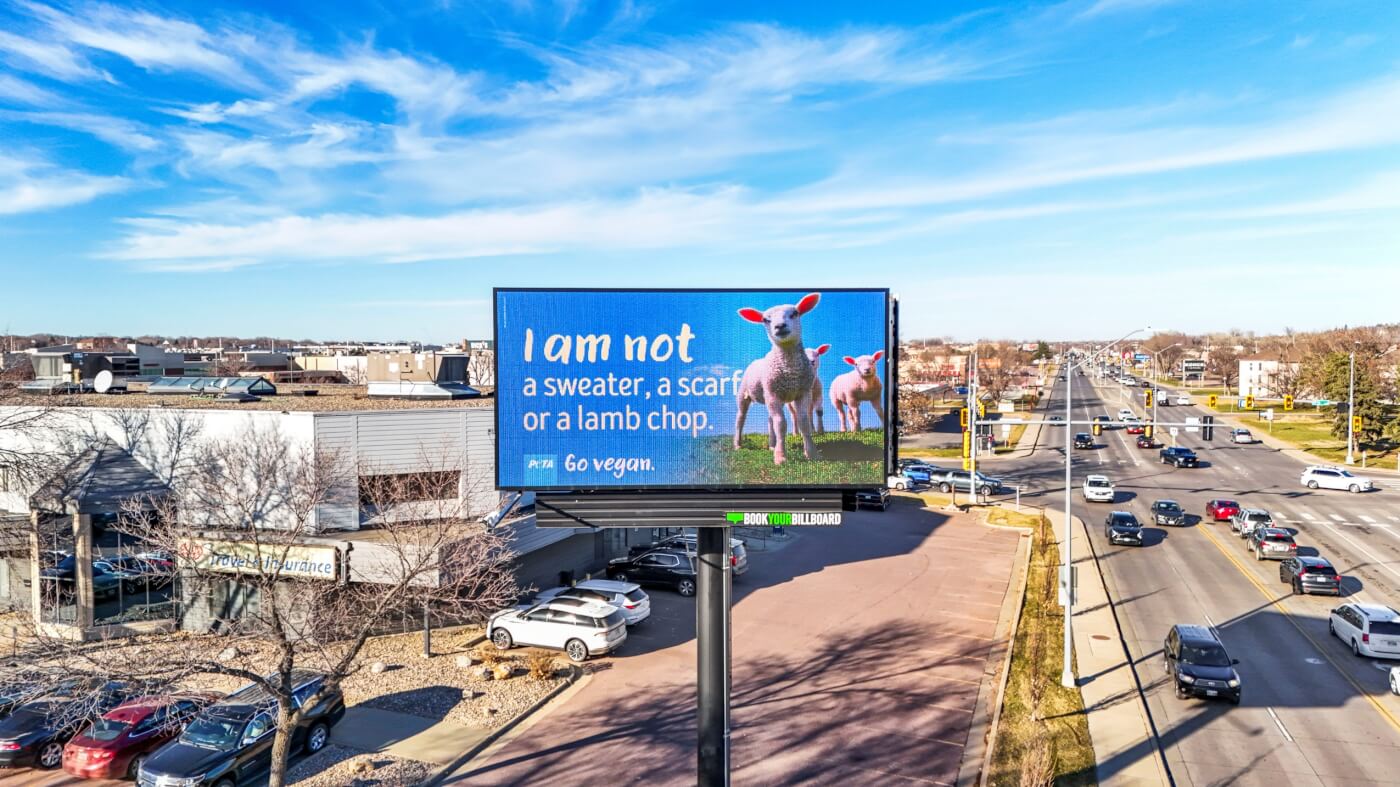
(102,383)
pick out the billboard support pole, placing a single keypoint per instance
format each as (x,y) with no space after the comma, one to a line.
(712,655)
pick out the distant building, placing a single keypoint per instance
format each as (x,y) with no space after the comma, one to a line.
(426,375)
(1258,376)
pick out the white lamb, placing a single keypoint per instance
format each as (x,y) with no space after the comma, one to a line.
(781,377)
(816,414)
(860,384)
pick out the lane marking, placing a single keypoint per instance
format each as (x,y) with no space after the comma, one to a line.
(1279,722)
(1366,518)
(1336,518)
(1309,517)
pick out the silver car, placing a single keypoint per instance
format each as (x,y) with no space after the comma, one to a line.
(628,597)
(738,553)
(1248,519)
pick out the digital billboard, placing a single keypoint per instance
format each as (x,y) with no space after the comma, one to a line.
(668,389)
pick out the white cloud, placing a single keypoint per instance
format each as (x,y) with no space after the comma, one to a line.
(51,59)
(1101,7)
(28,186)
(23,92)
(116,131)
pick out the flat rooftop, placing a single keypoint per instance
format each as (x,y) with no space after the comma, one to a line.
(329,398)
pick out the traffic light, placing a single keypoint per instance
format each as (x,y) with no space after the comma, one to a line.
(1213,399)
(967,444)
(1288,401)
(981,409)
(967,463)
(1356,423)
(1249,402)
(1207,427)
(1148,395)
(1147,431)
(1098,428)
(962,418)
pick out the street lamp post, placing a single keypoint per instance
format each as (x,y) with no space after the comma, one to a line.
(1156,373)
(1067,674)
(1351,406)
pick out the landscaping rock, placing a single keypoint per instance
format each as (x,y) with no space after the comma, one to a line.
(378,667)
(464,661)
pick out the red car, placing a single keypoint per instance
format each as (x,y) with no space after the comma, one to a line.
(114,746)
(1222,510)
(1135,429)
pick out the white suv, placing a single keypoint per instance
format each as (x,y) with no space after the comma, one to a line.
(1369,629)
(628,597)
(580,630)
(1183,399)
(1327,477)
(1098,489)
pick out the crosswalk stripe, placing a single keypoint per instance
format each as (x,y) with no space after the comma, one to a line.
(1336,518)
(1306,515)
(1366,518)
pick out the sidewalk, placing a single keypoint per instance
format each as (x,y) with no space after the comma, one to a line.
(405,736)
(1125,750)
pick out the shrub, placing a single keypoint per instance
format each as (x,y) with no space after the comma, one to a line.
(488,655)
(541,666)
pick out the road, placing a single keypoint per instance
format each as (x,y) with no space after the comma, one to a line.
(1312,713)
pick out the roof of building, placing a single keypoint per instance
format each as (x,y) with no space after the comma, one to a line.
(100,481)
(289,398)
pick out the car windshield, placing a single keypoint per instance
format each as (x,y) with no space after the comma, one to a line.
(1169,507)
(1226,504)
(107,729)
(1125,521)
(1386,628)
(1205,655)
(1098,482)
(213,732)
(1257,516)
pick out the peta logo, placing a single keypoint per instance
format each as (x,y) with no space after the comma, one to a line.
(539,463)
(539,469)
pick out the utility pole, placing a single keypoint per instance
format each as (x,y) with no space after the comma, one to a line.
(1351,406)
(1067,675)
(972,425)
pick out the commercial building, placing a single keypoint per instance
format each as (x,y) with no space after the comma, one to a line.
(1268,377)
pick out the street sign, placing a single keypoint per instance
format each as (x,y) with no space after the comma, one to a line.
(1267,415)
(1321,402)
(1174,431)
(1192,420)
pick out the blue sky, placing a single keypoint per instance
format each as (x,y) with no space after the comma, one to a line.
(365,170)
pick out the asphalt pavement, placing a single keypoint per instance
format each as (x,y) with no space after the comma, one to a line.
(1312,713)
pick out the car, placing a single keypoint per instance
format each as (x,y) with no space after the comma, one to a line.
(899,482)
(117,743)
(580,630)
(35,732)
(1327,477)
(136,573)
(1083,440)
(1125,414)
(230,742)
(963,481)
(1098,489)
(1242,436)
(1369,630)
(1121,527)
(738,550)
(1182,399)
(917,476)
(1395,680)
(671,568)
(1058,420)
(1178,456)
(63,577)
(628,597)
(1310,575)
(1103,421)
(1220,509)
(1144,441)
(1272,543)
(1136,427)
(1168,512)
(873,498)
(1199,665)
(1244,521)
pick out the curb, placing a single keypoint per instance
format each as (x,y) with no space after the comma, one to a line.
(976,765)
(440,775)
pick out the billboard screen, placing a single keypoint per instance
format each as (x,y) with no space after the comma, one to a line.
(667,389)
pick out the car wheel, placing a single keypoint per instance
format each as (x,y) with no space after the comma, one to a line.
(1312,484)
(945,488)
(576,651)
(1181,693)
(620,576)
(1354,489)
(1297,589)
(686,587)
(50,756)
(501,639)
(1331,628)
(316,738)
(1236,699)
(1355,648)
(1258,555)
(225,783)
(134,769)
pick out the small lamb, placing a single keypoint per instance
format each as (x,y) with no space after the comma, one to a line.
(783,376)
(861,384)
(815,356)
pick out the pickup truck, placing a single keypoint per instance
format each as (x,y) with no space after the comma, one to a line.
(1178,457)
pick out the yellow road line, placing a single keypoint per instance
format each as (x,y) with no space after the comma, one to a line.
(1273,601)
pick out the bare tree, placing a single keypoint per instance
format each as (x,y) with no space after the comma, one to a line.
(999,366)
(1224,363)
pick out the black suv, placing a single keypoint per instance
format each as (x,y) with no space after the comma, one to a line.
(1083,440)
(230,742)
(1178,457)
(1199,665)
(1310,575)
(1121,527)
(672,568)
(1168,512)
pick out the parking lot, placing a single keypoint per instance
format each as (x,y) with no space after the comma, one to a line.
(857,656)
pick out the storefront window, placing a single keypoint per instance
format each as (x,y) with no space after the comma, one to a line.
(130,581)
(57,571)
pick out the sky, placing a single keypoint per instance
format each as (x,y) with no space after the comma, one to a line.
(367,170)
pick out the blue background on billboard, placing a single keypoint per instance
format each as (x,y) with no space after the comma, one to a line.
(854,323)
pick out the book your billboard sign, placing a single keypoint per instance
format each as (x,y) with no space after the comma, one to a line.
(667,389)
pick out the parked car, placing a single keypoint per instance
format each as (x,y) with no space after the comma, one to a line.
(1168,512)
(1246,520)
(1199,665)
(1144,441)
(738,551)
(628,597)
(1220,509)
(19,689)
(964,481)
(1178,456)
(115,746)
(917,475)
(671,568)
(136,573)
(1272,543)
(1369,629)
(873,498)
(1324,477)
(581,631)
(1121,527)
(35,732)
(1310,575)
(1083,440)
(1098,489)
(1242,436)
(230,742)
(62,578)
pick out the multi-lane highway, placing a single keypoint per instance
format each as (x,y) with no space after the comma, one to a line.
(1312,713)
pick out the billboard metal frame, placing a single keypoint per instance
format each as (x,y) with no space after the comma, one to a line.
(890,391)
